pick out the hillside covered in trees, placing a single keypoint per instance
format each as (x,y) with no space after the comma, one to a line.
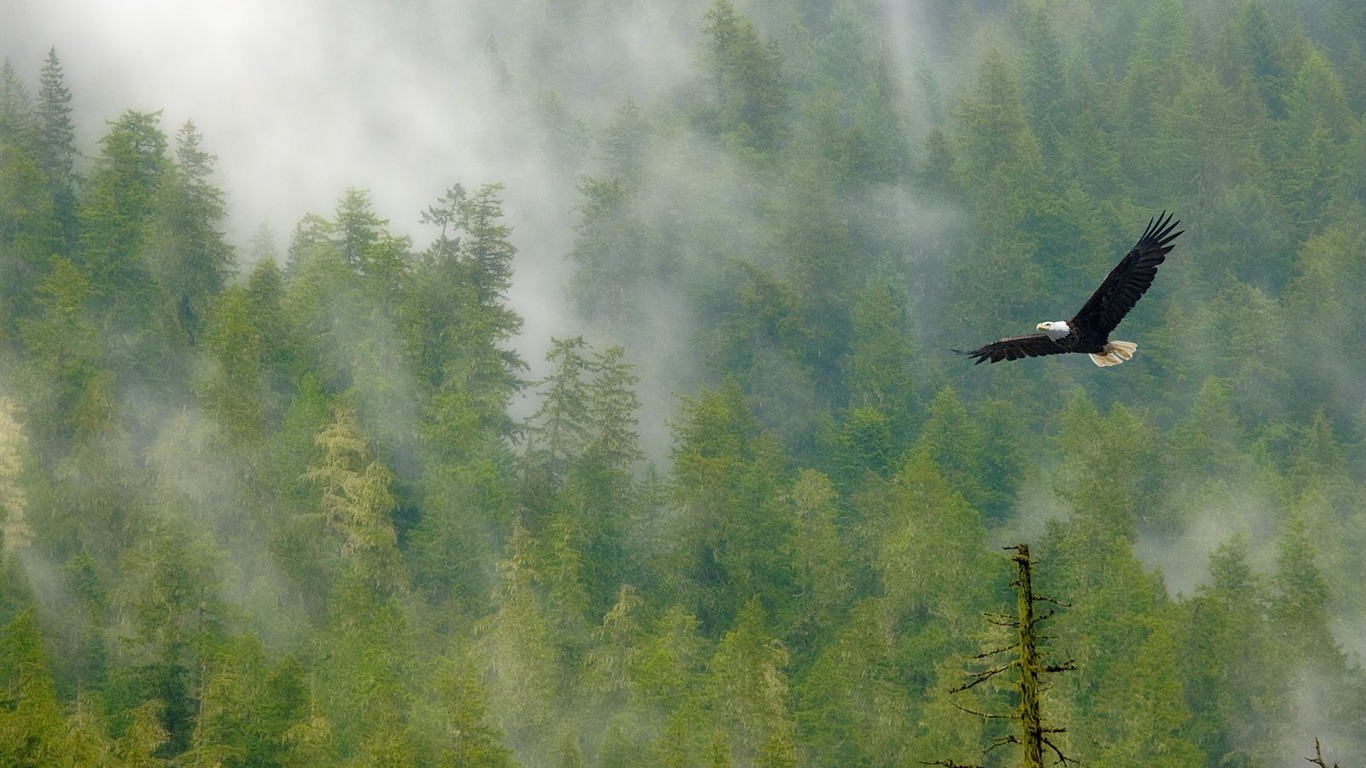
(306,499)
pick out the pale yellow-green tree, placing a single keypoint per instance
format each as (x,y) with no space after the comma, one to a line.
(357,503)
(749,692)
(14,529)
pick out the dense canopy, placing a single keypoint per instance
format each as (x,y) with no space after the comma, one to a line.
(638,441)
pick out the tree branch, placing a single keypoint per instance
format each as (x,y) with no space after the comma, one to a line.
(983,715)
(984,655)
(1064,759)
(982,677)
(1317,759)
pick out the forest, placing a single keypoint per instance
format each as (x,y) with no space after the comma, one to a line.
(305,499)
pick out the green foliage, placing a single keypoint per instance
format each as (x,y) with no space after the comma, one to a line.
(731,530)
(744,94)
(356,501)
(314,514)
(57,149)
(188,254)
(117,217)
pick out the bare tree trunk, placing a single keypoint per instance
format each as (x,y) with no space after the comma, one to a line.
(1031,718)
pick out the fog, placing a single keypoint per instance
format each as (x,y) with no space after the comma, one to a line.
(304,99)
(301,100)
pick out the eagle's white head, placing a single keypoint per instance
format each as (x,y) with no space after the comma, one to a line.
(1055,329)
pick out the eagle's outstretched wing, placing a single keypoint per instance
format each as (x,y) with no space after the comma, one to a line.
(1126,283)
(1014,348)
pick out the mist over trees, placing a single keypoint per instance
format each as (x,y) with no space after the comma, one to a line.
(308,499)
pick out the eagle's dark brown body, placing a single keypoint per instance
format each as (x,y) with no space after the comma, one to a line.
(1088,331)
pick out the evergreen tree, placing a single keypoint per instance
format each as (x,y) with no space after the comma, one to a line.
(1128,660)
(142,739)
(281,358)
(1001,167)
(953,440)
(31,723)
(1316,130)
(611,252)
(366,682)
(464,736)
(1299,606)
(457,337)
(62,343)
(1259,54)
(928,587)
(820,559)
(1232,676)
(16,109)
(116,221)
(731,533)
(189,257)
(1044,88)
(236,392)
(746,95)
(748,688)
(57,145)
(356,502)
(879,372)
(15,531)
(29,236)
(1108,466)
(521,655)
(458,308)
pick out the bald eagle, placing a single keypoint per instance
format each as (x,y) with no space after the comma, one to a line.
(1089,330)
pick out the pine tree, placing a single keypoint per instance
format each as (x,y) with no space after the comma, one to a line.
(15,530)
(522,660)
(1316,130)
(878,373)
(16,110)
(748,689)
(731,533)
(460,719)
(457,307)
(612,251)
(29,236)
(1232,678)
(116,219)
(62,342)
(1045,87)
(1259,53)
(1299,605)
(190,257)
(488,250)
(820,559)
(357,503)
(1001,166)
(31,724)
(236,392)
(746,95)
(57,145)
(143,739)
(928,519)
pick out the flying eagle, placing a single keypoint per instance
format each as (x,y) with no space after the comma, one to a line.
(1089,330)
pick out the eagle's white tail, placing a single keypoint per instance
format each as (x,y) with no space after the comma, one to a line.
(1115,352)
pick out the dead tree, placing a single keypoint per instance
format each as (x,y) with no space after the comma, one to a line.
(1317,759)
(1034,733)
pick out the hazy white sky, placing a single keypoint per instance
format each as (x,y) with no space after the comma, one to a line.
(299,99)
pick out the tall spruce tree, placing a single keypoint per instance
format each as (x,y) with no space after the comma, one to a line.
(57,146)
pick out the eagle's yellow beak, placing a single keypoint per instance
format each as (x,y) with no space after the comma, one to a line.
(1040,326)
